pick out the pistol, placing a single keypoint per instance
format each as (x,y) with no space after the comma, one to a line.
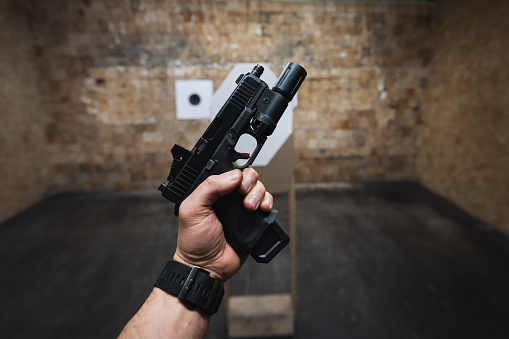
(254,109)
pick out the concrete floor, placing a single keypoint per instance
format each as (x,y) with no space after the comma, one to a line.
(372,263)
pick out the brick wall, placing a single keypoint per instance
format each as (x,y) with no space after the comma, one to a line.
(106,72)
(464,154)
(86,97)
(25,172)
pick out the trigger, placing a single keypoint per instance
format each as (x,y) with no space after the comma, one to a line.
(243,156)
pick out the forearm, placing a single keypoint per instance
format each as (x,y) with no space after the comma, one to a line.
(164,316)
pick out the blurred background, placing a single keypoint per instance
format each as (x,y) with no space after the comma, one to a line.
(404,109)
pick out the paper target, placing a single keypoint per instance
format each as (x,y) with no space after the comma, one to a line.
(193,98)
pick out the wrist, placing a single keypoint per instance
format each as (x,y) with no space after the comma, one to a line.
(192,285)
(154,319)
(202,264)
(168,301)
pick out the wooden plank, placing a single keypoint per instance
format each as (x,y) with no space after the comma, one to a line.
(293,242)
(260,315)
(276,174)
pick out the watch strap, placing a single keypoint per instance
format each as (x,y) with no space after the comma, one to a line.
(192,285)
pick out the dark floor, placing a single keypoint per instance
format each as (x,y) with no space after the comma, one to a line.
(371,264)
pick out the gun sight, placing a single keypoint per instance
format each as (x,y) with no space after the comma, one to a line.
(257,71)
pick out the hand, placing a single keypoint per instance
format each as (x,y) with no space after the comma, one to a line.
(201,240)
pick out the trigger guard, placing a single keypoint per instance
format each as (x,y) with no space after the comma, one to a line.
(260,140)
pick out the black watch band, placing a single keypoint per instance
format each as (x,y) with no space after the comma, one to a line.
(192,285)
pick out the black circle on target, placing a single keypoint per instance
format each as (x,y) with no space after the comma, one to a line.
(194,99)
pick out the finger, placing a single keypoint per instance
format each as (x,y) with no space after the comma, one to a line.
(249,179)
(267,202)
(207,193)
(255,197)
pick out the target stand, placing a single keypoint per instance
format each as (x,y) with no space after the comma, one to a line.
(260,300)
(269,314)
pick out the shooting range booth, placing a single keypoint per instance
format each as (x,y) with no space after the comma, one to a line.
(401,155)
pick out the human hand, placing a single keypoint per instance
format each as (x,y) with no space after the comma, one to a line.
(201,240)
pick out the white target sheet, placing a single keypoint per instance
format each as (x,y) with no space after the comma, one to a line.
(193,99)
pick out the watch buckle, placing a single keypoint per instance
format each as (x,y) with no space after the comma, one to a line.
(189,283)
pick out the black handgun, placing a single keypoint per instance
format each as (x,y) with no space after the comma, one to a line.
(254,109)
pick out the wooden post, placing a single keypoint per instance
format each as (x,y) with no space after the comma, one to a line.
(293,242)
(270,314)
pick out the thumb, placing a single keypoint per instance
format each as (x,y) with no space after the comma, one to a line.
(207,193)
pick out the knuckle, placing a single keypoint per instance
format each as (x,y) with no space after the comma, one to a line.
(261,187)
(210,181)
(258,191)
(254,175)
(251,174)
(209,184)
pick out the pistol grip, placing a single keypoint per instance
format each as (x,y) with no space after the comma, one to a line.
(250,232)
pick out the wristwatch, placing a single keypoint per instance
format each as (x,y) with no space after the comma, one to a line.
(192,285)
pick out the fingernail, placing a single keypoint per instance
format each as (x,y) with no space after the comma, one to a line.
(245,185)
(254,201)
(267,201)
